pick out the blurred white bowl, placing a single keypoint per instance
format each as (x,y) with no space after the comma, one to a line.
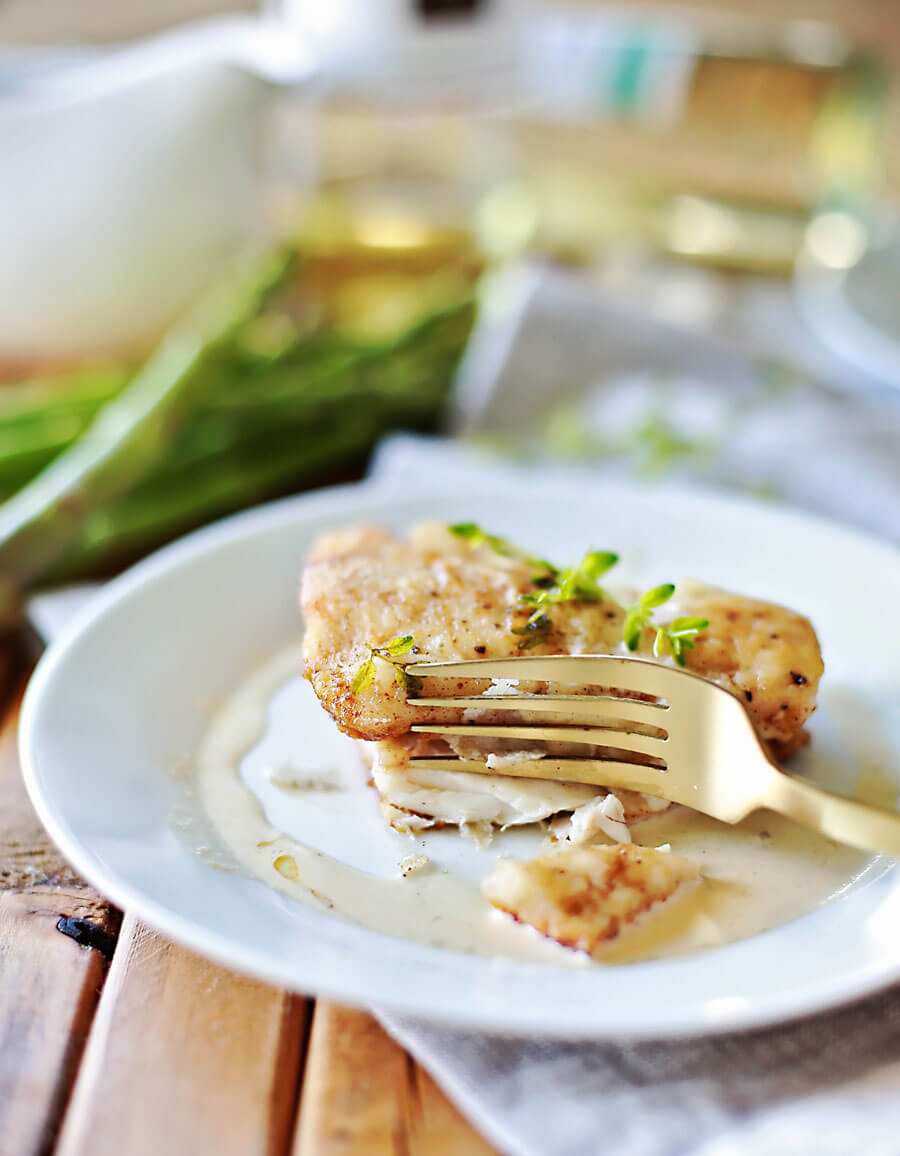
(127,181)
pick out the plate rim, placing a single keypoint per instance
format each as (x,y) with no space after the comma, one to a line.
(248,960)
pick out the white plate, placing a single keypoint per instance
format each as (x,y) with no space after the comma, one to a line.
(118,699)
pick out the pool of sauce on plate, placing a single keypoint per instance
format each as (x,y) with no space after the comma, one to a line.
(756,875)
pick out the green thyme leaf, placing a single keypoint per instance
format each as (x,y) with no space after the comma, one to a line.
(531,640)
(575,584)
(657,596)
(580,582)
(640,615)
(475,536)
(537,623)
(469,531)
(364,677)
(536,628)
(388,652)
(678,635)
(680,626)
(631,629)
(595,563)
(399,646)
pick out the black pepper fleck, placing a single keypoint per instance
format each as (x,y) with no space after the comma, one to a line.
(799,679)
(481,650)
(748,695)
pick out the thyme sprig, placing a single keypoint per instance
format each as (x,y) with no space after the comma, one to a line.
(640,615)
(676,636)
(476,536)
(536,628)
(575,584)
(388,652)
(552,584)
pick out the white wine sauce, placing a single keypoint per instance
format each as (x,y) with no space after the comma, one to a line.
(287,800)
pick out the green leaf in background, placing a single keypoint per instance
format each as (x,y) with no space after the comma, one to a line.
(243,401)
(132,433)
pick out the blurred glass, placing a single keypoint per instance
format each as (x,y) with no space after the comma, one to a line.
(569,129)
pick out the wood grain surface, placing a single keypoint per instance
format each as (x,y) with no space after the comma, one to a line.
(114,1042)
(213,1055)
(364,1096)
(49,981)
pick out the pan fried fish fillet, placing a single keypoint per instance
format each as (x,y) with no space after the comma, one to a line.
(363,586)
(583,897)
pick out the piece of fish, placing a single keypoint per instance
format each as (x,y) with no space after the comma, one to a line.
(583,897)
(362,586)
(456,798)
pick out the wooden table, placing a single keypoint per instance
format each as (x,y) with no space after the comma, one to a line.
(114,1042)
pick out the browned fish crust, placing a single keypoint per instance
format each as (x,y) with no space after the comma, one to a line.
(363,586)
(585,896)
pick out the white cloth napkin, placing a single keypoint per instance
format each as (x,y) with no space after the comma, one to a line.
(827,1086)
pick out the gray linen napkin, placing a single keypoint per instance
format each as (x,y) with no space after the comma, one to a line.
(827,1086)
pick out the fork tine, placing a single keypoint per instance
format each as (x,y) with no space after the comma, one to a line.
(637,675)
(575,706)
(593,772)
(593,736)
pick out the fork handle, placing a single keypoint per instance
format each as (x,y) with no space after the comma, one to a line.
(845,820)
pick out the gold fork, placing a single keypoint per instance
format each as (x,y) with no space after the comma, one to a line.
(697,743)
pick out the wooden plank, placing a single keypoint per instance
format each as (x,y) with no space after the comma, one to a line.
(364,1096)
(50,981)
(185,1058)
